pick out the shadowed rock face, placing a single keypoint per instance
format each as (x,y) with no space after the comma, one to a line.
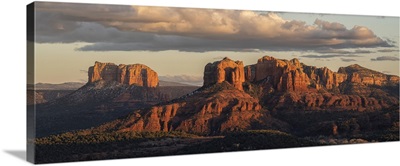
(136,74)
(225,70)
(313,101)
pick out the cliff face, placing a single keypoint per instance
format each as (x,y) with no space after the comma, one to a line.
(224,70)
(282,74)
(285,75)
(362,75)
(250,72)
(291,85)
(323,77)
(136,74)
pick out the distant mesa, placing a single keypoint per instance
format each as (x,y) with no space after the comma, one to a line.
(133,74)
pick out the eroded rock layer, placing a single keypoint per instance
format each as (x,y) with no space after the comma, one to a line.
(135,74)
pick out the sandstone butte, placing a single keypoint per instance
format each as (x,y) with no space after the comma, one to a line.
(134,74)
(225,70)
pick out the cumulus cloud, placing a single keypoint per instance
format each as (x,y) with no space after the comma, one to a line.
(186,79)
(128,28)
(386,58)
(347,60)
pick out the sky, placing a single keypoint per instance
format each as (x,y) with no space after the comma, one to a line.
(178,42)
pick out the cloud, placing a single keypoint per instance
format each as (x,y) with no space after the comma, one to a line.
(386,58)
(328,56)
(330,26)
(340,51)
(363,51)
(388,50)
(333,51)
(347,60)
(130,28)
(322,59)
(186,79)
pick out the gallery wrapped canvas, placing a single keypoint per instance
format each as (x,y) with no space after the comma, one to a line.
(122,81)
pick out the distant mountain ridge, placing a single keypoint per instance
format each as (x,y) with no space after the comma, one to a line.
(77,85)
(59,86)
(169,83)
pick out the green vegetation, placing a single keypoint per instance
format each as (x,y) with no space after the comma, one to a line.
(264,139)
(83,137)
(250,140)
(348,123)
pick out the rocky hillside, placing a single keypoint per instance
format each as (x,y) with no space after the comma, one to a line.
(205,111)
(362,75)
(290,85)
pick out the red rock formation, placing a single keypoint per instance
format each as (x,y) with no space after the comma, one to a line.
(282,74)
(362,75)
(103,71)
(328,101)
(201,113)
(250,72)
(224,70)
(354,78)
(222,105)
(136,74)
(393,79)
(292,75)
(323,77)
